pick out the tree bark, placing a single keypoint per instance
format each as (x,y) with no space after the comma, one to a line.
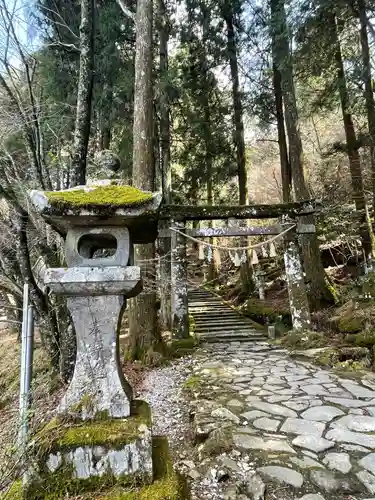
(369,96)
(84,94)
(351,139)
(237,107)
(144,336)
(286,176)
(239,139)
(165,163)
(315,276)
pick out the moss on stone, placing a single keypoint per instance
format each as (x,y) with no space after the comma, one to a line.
(350,358)
(304,340)
(350,324)
(63,484)
(169,488)
(104,196)
(265,313)
(365,339)
(112,433)
(182,347)
(219,441)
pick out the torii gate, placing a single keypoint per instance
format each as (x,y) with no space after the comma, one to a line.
(292,213)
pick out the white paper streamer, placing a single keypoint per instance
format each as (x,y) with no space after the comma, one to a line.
(264,252)
(217,257)
(254,259)
(272,250)
(201,252)
(237,260)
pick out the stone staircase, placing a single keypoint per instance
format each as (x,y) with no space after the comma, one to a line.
(217,322)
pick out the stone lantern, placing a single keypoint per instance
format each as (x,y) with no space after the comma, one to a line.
(100,223)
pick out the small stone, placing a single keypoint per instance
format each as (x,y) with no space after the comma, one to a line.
(274,409)
(349,403)
(225,414)
(322,413)
(252,415)
(194,474)
(312,496)
(354,447)
(356,411)
(266,424)
(297,405)
(282,474)
(338,461)
(328,481)
(274,381)
(300,426)
(256,488)
(277,399)
(310,454)
(368,462)
(247,430)
(359,423)
(230,464)
(343,435)
(312,443)
(371,410)
(367,479)
(357,390)
(257,443)
(315,390)
(306,463)
(295,378)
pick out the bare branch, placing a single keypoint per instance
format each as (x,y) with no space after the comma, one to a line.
(125,9)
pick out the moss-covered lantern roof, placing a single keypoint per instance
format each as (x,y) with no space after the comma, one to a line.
(103,203)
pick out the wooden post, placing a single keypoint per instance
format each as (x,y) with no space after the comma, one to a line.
(179,301)
(299,306)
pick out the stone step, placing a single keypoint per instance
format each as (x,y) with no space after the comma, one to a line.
(232,338)
(223,329)
(222,320)
(218,315)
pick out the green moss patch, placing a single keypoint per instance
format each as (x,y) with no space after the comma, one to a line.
(182,347)
(103,196)
(263,312)
(348,358)
(65,434)
(304,340)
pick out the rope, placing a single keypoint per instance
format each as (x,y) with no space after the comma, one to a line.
(251,247)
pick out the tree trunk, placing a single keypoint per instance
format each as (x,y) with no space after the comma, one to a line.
(315,275)
(369,96)
(84,94)
(143,336)
(237,107)
(105,117)
(47,318)
(245,271)
(165,133)
(286,176)
(351,140)
(165,162)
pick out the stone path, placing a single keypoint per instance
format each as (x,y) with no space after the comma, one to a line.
(216,321)
(268,426)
